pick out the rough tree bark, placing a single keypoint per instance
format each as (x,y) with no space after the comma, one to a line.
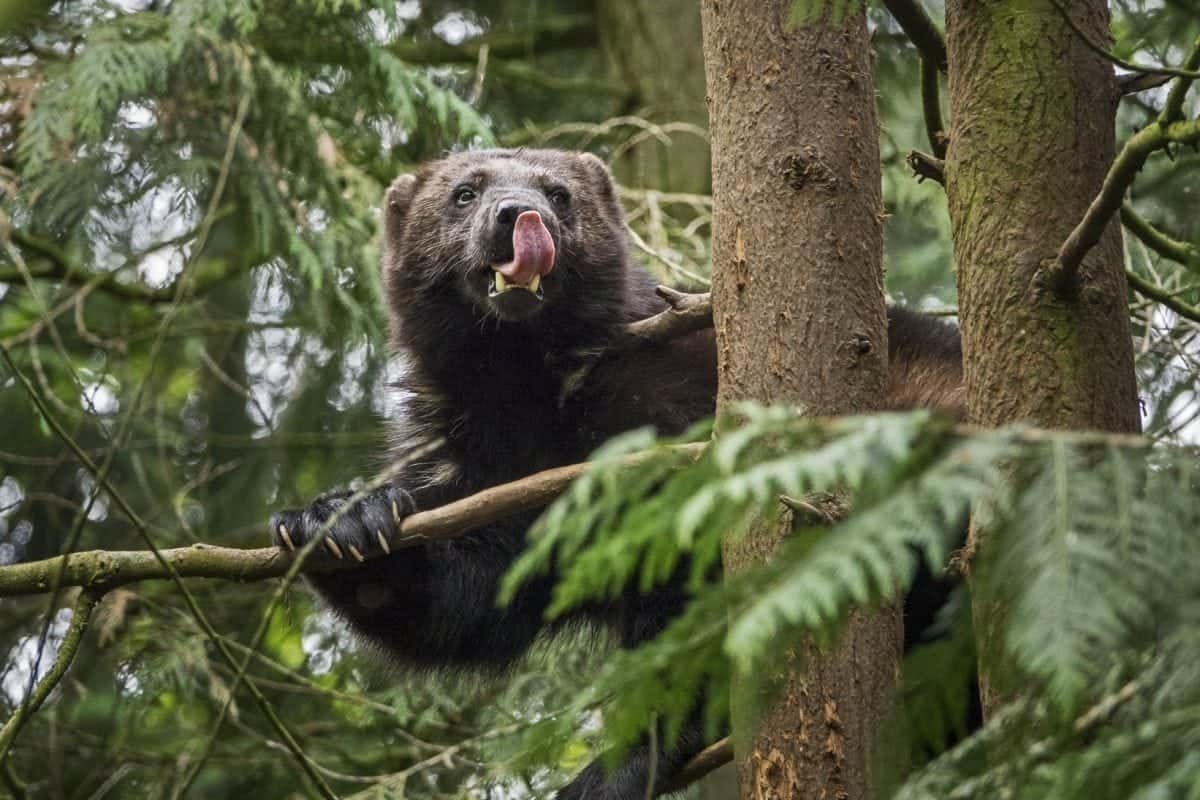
(1032,135)
(800,318)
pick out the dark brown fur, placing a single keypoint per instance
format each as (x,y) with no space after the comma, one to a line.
(494,391)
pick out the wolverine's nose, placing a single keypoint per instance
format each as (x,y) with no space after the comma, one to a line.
(507,212)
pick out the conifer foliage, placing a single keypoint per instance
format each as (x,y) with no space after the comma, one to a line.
(1096,531)
(189,295)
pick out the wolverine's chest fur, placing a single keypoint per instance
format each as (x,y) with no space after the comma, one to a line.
(495,419)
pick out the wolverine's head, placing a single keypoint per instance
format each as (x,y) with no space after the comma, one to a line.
(514,235)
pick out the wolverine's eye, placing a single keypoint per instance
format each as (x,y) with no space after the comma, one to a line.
(560,198)
(463,195)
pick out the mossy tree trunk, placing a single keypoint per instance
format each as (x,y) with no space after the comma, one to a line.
(1032,135)
(800,318)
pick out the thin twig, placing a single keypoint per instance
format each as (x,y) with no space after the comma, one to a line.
(1161,295)
(1173,108)
(711,758)
(59,267)
(818,509)
(1136,82)
(931,107)
(1120,177)
(920,29)
(1115,59)
(927,166)
(688,313)
(1182,252)
(81,613)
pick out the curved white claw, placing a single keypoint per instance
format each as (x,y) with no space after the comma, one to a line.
(287,539)
(333,548)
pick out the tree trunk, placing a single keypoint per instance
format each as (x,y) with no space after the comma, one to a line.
(653,47)
(800,318)
(1032,119)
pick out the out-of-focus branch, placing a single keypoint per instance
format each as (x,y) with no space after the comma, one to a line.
(1161,295)
(55,264)
(920,29)
(548,34)
(80,616)
(1136,82)
(1182,252)
(931,107)
(1187,71)
(711,758)
(1173,108)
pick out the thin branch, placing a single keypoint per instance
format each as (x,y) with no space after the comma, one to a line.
(549,34)
(817,509)
(920,29)
(57,265)
(81,614)
(711,758)
(1173,108)
(524,73)
(1161,295)
(1182,252)
(1103,52)
(105,569)
(640,243)
(1136,82)
(15,785)
(927,167)
(931,106)
(30,333)
(1120,177)
(688,313)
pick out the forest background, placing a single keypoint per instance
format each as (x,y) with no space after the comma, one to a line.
(189,282)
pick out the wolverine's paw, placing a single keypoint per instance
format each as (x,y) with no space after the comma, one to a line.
(349,529)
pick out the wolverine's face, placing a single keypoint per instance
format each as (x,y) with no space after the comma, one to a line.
(511,231)
(510,217)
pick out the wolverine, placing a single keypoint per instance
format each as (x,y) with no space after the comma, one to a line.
(509,284)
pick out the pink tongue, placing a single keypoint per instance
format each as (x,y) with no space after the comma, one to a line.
(533,250)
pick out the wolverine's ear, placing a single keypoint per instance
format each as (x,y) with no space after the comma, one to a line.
(601,177)
(395,204)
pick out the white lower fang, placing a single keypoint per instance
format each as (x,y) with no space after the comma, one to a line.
(501,284)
